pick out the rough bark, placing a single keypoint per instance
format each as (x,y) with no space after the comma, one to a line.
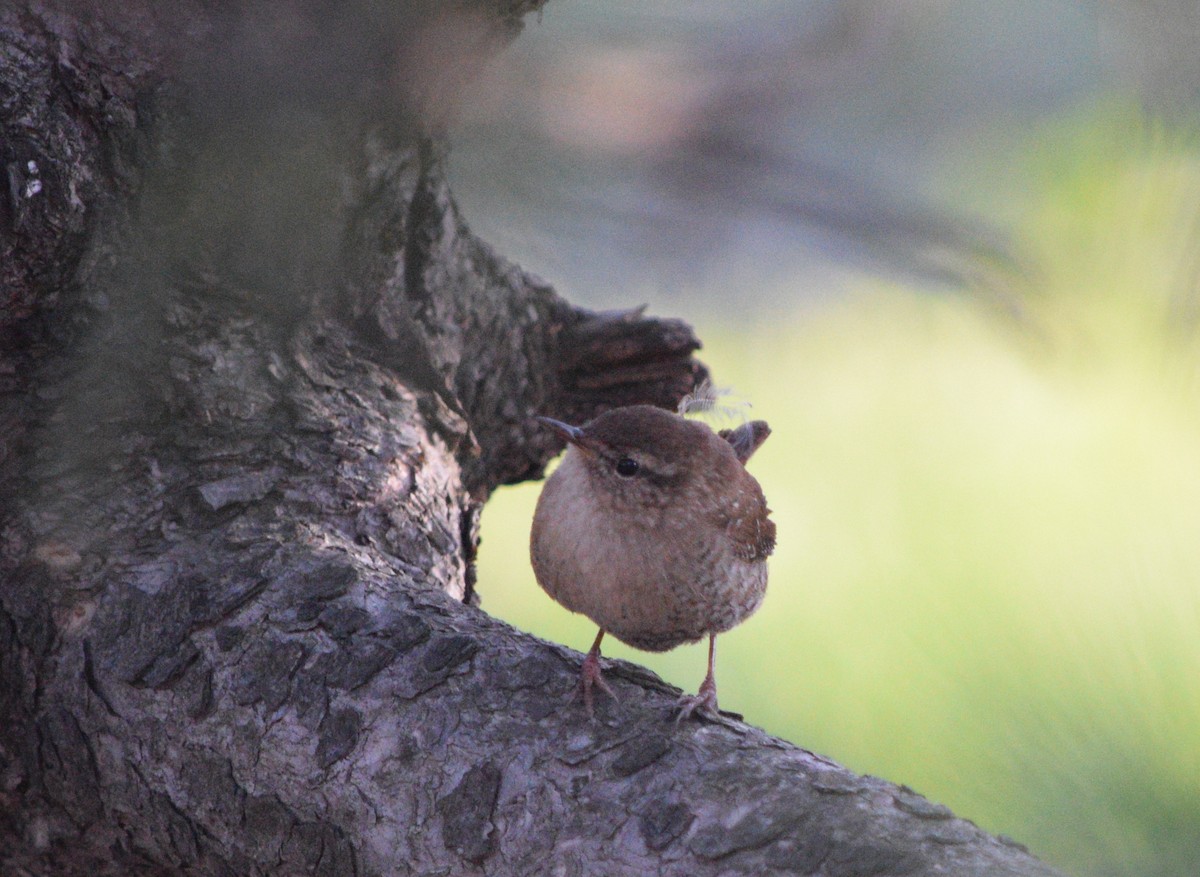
(256,379)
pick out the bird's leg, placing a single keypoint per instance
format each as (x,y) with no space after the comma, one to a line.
(705,699)
(589,675)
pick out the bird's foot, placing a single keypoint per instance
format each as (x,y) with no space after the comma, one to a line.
(591,676)
(704,701)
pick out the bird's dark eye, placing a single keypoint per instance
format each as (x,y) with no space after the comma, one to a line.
(626,467)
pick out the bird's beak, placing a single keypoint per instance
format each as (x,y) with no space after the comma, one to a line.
(572,434)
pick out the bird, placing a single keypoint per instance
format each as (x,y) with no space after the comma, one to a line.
(652,527)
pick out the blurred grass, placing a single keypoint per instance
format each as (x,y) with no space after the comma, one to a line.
(988,577)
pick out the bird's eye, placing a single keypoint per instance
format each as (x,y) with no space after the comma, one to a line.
(627,467)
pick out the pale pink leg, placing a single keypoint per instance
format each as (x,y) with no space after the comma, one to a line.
(705,700)
(590,675)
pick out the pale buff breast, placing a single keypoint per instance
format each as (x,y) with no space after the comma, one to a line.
(597,565)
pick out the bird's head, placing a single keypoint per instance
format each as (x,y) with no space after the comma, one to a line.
(641,455)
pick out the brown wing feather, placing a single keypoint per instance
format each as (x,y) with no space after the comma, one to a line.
(747,523)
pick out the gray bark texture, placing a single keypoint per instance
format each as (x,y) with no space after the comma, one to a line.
(256,379)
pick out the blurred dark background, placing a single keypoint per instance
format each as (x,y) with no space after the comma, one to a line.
(623,147)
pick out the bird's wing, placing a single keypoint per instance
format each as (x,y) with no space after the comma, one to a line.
(746,520)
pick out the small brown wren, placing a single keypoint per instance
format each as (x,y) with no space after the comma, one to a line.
(652,527)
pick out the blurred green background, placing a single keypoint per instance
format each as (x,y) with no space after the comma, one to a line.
(986,482)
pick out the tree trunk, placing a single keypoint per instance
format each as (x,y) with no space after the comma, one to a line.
(256,379)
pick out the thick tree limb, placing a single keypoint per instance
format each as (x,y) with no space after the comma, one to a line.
(257,378)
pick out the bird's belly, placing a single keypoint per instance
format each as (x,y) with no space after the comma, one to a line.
(643,597)
(662,609)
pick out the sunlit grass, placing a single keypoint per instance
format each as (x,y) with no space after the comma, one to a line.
(988,577)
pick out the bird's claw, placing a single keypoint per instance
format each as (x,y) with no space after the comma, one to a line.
(703,701)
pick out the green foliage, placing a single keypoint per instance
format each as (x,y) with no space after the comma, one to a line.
(988,577)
